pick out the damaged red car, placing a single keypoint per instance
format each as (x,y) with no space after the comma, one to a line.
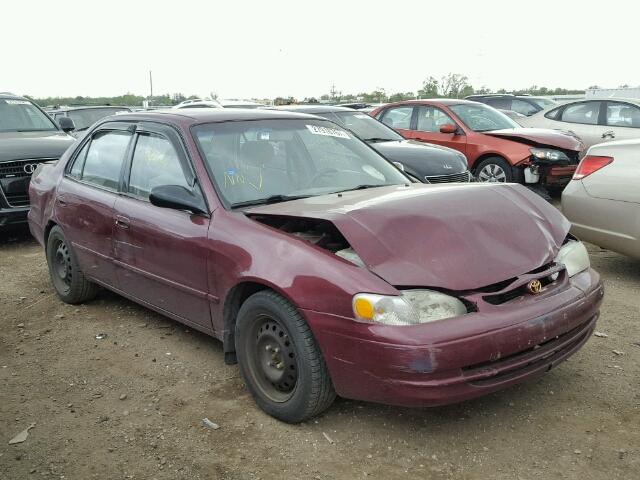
(497,148)
(318,264)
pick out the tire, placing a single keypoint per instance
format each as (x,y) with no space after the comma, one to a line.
(68,280)
(280,360)
(496,169)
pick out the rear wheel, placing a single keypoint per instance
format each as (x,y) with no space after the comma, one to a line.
(68,280)
(495,170)
(280,360)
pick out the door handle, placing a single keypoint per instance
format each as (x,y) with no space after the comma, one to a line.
(609,133)
(62,201)
(122,222)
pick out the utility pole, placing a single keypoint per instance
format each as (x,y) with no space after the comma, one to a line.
(150,85)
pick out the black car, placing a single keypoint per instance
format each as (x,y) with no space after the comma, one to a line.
(85,116)
(28,137)
(523,104)
(425,162)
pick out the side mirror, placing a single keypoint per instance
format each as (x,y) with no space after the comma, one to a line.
(399,165)
(177,198)
(66,124)
(448,128)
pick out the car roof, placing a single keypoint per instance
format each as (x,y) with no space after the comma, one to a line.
(83,107)
(434,101)
(11,96)
(187,117)
(315,109)
(635,101)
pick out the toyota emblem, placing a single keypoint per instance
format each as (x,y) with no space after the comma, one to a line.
(29,168)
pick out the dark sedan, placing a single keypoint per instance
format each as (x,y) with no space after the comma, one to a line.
(319,265)
(428,163)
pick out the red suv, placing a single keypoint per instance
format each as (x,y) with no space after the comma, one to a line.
(496,147)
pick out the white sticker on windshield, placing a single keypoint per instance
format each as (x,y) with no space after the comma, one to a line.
(361,115)
(18,102)
(329,132)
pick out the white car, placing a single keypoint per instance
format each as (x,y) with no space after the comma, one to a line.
(603,199)
(198,103)
(594,121)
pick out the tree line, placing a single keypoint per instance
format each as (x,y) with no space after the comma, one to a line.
(452,85)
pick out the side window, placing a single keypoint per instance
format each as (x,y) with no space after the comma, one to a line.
(430,119)
(399,117)
(105,157)
(78,162)
(623,115)
(155,162)
(553,114)
(525,108)
(582,113)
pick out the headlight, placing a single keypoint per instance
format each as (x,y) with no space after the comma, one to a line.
(548,154)
(574,256)
(413,307)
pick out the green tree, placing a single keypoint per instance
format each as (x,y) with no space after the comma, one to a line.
(429,88)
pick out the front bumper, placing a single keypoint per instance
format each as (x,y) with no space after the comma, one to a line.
(457,359)
(13,216)
(559,176)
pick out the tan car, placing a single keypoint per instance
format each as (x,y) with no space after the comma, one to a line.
(603,199)
(594,121)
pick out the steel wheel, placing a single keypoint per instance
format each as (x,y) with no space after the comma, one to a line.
(62,271)
(272,359)
(68,279)
(492,173)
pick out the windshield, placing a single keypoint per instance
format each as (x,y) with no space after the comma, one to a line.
(544,102)
(363,125)
(273,160)
(482,118)
(23,116)
(84,118)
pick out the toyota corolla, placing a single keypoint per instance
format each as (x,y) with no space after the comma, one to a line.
(318,264)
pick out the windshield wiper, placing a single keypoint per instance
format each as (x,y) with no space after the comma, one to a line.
(362,187)
(268,200)
(377,139)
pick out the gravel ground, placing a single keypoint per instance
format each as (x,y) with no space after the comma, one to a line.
(130,405)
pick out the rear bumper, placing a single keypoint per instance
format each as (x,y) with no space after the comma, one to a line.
(13,216)
(368,362)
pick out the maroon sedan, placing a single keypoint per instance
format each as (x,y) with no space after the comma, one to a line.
(319,265)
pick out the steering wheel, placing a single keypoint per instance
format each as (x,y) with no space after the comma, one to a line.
(321,174)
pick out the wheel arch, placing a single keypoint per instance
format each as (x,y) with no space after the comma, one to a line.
(233,300)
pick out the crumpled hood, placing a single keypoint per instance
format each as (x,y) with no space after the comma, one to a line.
(27,145)
(454,236)
(423,158)
(541,136)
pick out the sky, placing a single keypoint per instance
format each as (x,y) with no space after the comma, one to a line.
(265,49)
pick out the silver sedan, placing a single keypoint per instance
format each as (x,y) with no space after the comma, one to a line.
(594,121)
(603,199)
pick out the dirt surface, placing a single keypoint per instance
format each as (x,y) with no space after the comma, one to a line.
(130,406)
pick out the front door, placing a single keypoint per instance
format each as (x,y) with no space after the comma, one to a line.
(161,254)
(86,197)
(427,125)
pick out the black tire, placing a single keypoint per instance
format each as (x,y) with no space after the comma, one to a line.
(68,280)
(496,169)
(280,360)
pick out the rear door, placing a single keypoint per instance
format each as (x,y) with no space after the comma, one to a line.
(86,196)
(582,118)
(427,125)
(622,121)
(160,253)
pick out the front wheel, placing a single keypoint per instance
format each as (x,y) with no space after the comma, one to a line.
(68,279)
(280,360)
(495,170)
